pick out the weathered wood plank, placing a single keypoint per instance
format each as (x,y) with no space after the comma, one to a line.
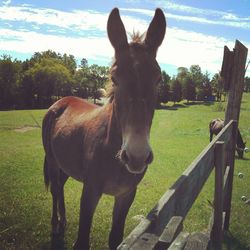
(230,162)
(135,234)
(198,241)
(225,186)
(179,242)
(217,234)
(236,88)
(173,228)
(146,241)
(226,69)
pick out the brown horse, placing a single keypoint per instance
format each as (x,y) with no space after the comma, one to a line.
(216,125)
(107,148)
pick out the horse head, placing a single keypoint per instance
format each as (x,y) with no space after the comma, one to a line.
(135,74)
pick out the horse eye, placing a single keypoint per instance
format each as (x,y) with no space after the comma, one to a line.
(114,80)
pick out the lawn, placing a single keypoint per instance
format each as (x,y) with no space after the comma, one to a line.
(179,133)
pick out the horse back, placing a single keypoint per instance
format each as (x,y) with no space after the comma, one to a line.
(63,134)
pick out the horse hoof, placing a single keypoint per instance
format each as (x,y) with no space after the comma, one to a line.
(80,246)
(243,198)
(62,227)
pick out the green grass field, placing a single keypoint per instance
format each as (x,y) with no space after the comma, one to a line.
(179,133)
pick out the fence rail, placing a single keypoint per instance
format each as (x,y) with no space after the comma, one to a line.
(162,228)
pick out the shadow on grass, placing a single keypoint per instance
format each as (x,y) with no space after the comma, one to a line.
(206,103)
(231,243)
(57,243)
(177,106)
(245,159)
(242,159)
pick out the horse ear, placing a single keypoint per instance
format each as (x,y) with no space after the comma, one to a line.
(156,31)
(116,31)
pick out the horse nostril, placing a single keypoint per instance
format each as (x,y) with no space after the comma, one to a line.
(124,156)
(149,158)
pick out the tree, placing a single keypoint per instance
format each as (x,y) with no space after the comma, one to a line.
(217,86)
(176,90)
(182,73)
(196,75)
(97,77)
(69,62)
(163,89)
(81,87)
(188,89)
(9,80)
(84,63)
(247,84)
(89,80)
(49,78)
(165,77)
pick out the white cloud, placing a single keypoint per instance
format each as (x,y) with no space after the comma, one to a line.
(6,2)
(226,19)
(203,12)
(29,42)
(180,47)
(190,10)
(77,19)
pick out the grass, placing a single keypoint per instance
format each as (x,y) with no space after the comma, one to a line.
(179,133)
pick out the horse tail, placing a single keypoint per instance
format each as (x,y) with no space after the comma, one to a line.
(47,125)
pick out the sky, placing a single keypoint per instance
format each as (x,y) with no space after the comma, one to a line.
(197,31)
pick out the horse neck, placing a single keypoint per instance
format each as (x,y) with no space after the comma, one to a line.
(114,134)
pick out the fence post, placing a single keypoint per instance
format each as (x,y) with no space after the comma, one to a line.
(230,162)
(237,82)
(217,233)
(236,85)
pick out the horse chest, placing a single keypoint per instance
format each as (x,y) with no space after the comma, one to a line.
(120,181)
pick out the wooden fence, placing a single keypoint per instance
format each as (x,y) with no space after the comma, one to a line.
(162,228)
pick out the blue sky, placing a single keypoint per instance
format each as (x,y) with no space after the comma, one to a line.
(196,30)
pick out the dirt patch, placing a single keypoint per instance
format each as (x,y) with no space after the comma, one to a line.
(25,129)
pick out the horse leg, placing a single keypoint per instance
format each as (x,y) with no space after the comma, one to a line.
(120,211)
(211,136)
(89,200)
(54,193)
(61,205)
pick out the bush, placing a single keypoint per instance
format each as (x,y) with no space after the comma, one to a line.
(219,107)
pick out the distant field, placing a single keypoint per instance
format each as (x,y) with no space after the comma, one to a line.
(179,133)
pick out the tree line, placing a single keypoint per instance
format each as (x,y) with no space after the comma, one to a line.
(192,85)
(47,76)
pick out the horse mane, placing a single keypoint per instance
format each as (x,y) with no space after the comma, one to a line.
(110,91)
(137,42)
(137,37)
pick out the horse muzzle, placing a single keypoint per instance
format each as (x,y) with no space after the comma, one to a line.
(136,164)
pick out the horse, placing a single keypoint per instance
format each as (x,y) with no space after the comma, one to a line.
(106,148)
(216,125)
